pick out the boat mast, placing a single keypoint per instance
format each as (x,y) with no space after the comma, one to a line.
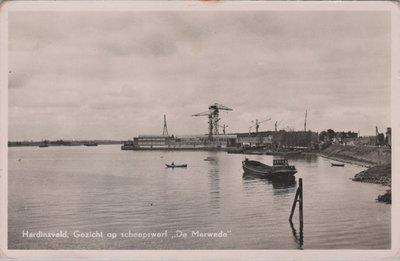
(305,122)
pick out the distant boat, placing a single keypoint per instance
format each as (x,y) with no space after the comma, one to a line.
(72,144)
(337,164)
(209,159)
(279,170)
(91,144)
(176,165)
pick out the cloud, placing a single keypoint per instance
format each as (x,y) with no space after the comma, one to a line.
(119,72)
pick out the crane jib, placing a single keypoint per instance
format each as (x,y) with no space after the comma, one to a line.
(213,115)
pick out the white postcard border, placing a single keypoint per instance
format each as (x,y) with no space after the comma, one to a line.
(6,7)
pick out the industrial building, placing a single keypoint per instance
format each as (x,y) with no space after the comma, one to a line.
(267,139)
(272,140)
(183,141)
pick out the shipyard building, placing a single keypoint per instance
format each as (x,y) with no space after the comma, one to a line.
(183,141)
(267,139)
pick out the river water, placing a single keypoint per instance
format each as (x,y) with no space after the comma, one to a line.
(114,192)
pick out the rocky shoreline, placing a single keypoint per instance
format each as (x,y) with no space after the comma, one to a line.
(381,174)
(386,198)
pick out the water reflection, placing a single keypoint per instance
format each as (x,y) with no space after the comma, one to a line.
(309,158)
(298,238)
(283,187)
(213,175)
(276,183)
(283,184)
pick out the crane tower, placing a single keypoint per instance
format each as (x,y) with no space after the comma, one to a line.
(213,117)
(165,130)
(257,124)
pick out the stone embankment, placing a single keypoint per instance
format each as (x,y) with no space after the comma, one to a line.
(362,155)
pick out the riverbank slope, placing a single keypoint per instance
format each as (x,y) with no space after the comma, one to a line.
(362,155)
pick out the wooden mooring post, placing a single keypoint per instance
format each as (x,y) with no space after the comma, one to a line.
(298,198)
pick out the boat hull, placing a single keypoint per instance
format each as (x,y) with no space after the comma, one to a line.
(337,165)
(176,166)
(256,168)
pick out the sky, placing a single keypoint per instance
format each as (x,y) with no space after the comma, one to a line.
(113,75)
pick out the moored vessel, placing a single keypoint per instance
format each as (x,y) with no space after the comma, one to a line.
(279,170)
(337,164)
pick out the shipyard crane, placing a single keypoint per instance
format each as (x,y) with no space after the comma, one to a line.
(165,130)
(257,124)
(213,117)
(223,126)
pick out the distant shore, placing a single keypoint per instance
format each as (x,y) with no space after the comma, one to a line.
(62,143)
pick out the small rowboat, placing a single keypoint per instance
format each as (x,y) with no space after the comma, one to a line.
(337,164)
(176,165)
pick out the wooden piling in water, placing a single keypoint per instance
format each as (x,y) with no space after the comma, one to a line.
(294,205)
(298,198)
(301,202)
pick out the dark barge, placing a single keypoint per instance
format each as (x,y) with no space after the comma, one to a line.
(279,170)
